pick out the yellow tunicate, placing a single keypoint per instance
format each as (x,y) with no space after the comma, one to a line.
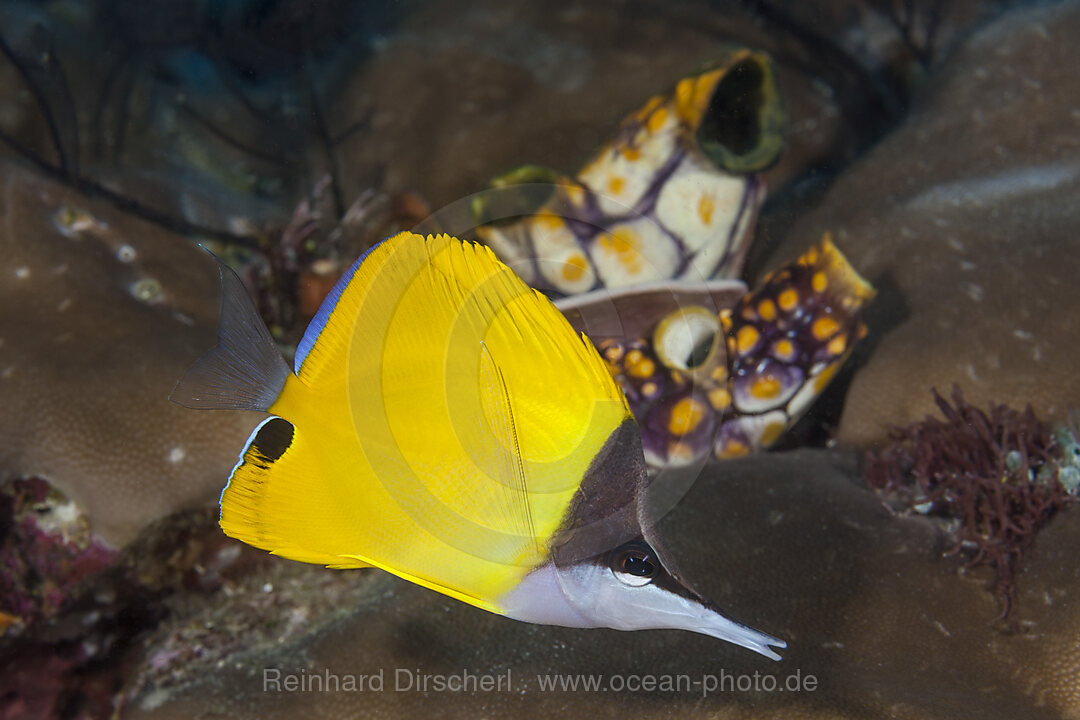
(634,357)
(616,185)
(771,433)
(680,452)
(706,206)
(765,388)
(819,282)
(654,102)
(825,377)
(809,257)
(575,194)
(613,353)
(788,300)
(720,398)
(624,243)
(574,267)
(767,310)
(630,153)
(548,220)
(719,373)
(684,96)
(686,415)
(784,349)
(746,339)
(649,388)
(618,243)
(692,95)
(824,328)
(657,120)
(838,344)
(733,449)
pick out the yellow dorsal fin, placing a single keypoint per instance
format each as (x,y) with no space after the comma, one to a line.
(444,415)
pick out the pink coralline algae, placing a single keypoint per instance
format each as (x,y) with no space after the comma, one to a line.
(47,552)
(996,476)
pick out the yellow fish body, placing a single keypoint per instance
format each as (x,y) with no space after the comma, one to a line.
(444,423)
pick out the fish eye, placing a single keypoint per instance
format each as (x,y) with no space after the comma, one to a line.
(634,564)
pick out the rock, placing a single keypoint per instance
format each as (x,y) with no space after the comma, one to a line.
(895,43)
(100,315)
(788,543)
(968,211)
(48,552)
(459,96)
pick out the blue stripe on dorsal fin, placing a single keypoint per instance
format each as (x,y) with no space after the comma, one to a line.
(315,327)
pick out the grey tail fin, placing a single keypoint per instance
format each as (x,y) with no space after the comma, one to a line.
(245,371)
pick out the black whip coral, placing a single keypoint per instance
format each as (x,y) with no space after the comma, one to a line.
(995,475)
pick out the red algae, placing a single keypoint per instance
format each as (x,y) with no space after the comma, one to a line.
(48,552)
(993,474)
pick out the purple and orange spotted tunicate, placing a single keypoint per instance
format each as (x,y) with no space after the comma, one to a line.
(733,383)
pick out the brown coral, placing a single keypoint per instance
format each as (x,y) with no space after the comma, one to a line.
(995,474)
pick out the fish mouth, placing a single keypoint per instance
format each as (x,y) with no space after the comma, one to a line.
(713,623)
(684,609)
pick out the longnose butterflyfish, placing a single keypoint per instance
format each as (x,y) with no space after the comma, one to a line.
(445,423)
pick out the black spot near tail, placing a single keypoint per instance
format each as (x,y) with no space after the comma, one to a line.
(273,438)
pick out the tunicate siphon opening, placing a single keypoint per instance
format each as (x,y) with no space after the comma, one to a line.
(742,127)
